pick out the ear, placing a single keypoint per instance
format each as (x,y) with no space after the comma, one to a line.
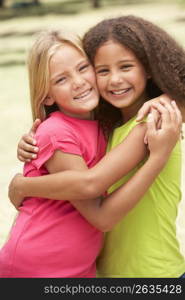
(48,101)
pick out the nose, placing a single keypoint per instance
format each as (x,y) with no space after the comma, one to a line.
(116,78)
(78,81)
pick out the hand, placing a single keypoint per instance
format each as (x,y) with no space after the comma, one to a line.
(14,192)
(161,141)
(145,109)
(26,147)
(157,119)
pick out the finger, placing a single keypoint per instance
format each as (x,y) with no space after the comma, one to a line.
(34,127)
(28,139)
(26,155)
(146,139)
(171,110)
(165,97)
(21,158)
(151,126)
(155,114)
(144,110)
(27,147)
(159,123)
(178,113)
(165,115)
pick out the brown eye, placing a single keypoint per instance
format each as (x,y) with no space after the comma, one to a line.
(125,67)
(84,67)
(61,80)
(102,71)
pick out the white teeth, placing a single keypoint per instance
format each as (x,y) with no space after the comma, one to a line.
(84,94)
(119,92)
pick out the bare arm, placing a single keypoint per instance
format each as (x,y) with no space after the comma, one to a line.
(87,184)
(110,211)
(93,210)
(105,214)
(27,149)
(90,191)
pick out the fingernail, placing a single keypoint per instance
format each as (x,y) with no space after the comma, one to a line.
(34,156)
(34,142)
(138,117)
(150,117)
(36,149)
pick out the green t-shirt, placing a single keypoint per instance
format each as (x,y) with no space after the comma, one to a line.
(144,243)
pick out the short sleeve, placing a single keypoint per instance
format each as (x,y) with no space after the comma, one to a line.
(50,140)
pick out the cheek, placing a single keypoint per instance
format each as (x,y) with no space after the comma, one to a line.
(140,79)
(63,92)
(101,83)
(90,76)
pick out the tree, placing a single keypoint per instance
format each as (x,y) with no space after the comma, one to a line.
(2,2)
(36,2)
(95,3)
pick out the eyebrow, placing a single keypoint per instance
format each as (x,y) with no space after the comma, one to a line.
(119,62)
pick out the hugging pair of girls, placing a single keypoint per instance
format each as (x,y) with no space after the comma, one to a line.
(69,225)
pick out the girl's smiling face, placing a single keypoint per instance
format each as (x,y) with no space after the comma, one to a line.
(121,78)
(72,83)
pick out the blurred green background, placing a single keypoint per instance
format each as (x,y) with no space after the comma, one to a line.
(19,20)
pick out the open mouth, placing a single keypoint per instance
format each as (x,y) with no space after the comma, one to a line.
(120,91)
(83,95)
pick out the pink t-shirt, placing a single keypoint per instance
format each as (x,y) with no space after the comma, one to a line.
(50,238)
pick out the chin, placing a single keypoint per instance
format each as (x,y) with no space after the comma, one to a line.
(92,105)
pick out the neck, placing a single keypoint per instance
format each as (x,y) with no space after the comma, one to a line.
(131,111)
(86,116)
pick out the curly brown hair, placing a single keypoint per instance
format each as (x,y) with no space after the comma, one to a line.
(162,57)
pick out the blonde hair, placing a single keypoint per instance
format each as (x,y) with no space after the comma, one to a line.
(44,47)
